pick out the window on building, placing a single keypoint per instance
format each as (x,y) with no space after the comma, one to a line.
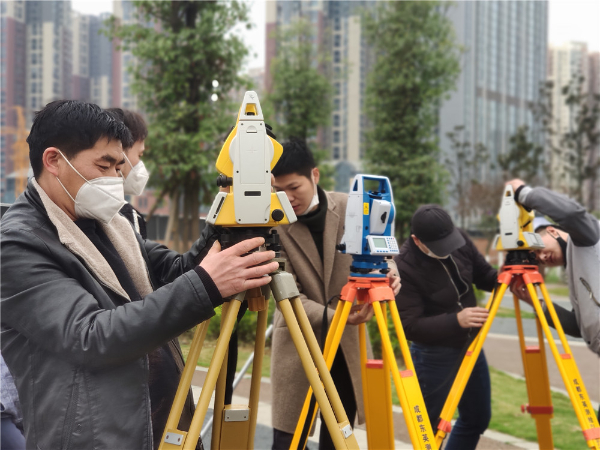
(336,104)
(337,40)
(337,58)
(336,137)
(336,120)
(336,152)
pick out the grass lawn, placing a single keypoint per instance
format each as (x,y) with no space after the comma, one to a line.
(508,394)
(562,291)
(244,352)
(509,312)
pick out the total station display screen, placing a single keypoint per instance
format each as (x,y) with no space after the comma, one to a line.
(379,243)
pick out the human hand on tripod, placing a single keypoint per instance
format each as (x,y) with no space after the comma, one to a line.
(394,277)
(519,288)
(360,314)
(233,273)
(473,317)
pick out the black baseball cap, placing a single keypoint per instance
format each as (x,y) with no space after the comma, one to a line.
(433,226)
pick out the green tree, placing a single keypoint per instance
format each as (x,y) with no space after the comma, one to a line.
(582,138)
(417,64)
(300,93)
(524,157)
(180,47)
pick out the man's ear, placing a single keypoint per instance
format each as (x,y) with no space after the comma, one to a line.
(316,175)
(50,160)
(416,239)
(552,231)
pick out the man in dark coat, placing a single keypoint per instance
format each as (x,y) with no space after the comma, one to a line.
(438,267)
(90,309)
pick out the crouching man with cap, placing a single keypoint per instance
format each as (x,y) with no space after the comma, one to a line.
(438,267)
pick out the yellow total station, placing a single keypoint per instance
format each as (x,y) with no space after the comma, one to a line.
(516,225)
(245,163)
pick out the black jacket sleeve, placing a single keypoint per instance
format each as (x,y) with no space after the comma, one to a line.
(567,320)
(166,264)
(417,326)
(43,300)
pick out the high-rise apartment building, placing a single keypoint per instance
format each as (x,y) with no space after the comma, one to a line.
(337,31)
(49,53)
(36,69)
(12,76)
(122,94)
(503,64)
(566,63)
(100,63)
(81,56)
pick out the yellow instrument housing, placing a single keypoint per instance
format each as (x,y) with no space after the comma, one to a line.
(225,212)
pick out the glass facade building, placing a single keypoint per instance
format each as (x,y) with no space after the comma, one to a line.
(503,64)
(337,31)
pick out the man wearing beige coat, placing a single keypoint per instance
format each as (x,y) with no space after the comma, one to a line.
(309,245)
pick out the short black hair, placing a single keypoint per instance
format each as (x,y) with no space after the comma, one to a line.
(542,228)
(296,158)
(72,126)
(132,120)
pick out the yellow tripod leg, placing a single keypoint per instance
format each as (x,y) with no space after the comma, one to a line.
(537,381)
(183,388)
(310,355)
(175,439)
(408,390)
(259,351)
(377,394)
(466,368)
(332,343)
(219,402)
(567,368)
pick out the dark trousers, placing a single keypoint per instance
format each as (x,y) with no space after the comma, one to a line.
(436,368)
(343,384)
(12,437)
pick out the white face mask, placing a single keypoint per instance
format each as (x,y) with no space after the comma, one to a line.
(315,200)
(99,199)
(136,180)
(433,255)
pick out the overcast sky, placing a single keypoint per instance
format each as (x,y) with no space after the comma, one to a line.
(569,20)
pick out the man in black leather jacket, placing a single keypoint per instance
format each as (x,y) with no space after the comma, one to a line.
(438,267)
(89,308)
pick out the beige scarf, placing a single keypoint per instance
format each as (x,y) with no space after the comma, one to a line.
(121,235)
